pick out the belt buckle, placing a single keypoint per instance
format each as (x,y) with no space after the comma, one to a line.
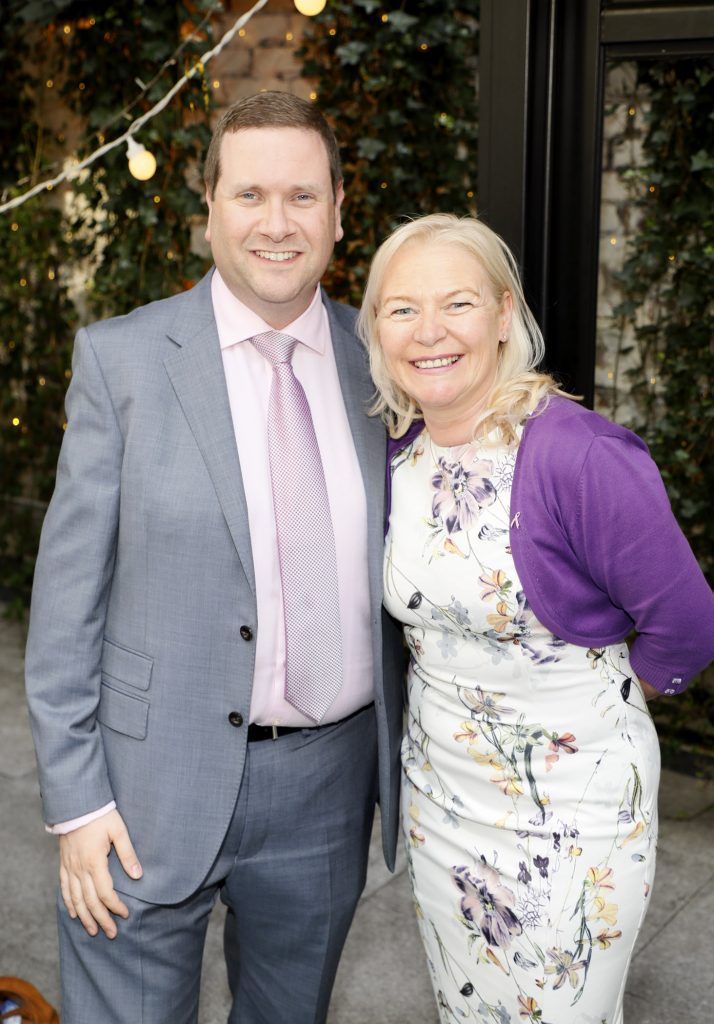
(275,732)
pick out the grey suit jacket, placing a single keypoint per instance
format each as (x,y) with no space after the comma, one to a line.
(143,580)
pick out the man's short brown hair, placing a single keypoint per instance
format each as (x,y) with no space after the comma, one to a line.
(270,110)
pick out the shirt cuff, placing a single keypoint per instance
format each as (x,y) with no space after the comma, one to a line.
(64,827)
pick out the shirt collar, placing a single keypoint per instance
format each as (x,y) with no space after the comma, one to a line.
(236,322)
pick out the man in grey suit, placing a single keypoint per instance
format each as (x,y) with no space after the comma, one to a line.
(215,693)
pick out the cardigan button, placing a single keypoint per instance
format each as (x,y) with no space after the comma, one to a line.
(235,718)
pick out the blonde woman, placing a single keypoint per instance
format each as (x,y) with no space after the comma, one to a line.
(528,537)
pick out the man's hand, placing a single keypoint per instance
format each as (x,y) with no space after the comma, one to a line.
(85,881)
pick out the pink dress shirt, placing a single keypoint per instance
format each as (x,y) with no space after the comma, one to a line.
(248,378)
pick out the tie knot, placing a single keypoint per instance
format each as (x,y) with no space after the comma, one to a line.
(274,346)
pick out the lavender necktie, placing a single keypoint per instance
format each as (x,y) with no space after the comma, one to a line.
(306,542)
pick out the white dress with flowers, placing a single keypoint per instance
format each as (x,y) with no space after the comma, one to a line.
(531,765)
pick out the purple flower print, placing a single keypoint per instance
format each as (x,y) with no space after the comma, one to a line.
(524,874)
(462,490)
(486,904)
(542,864)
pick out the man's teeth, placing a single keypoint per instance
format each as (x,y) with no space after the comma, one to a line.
(277,257)
(430,364)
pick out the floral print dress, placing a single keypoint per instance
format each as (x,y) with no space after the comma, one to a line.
(530,765)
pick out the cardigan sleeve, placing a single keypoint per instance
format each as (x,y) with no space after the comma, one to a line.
(634,550)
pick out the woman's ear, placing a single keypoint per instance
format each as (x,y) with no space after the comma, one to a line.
(504,323)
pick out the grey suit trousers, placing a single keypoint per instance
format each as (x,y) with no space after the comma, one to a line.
(301,827)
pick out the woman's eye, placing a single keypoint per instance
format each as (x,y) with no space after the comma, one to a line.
(402,311)
(460,305)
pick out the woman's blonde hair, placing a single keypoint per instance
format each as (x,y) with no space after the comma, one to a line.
(518,387)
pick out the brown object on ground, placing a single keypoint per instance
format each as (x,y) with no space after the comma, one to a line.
(32,1008)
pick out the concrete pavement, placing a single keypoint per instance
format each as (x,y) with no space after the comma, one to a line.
(382,977)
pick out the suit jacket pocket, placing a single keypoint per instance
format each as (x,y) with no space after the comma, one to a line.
(125,665)
(123,712)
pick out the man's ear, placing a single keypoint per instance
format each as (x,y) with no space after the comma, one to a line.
(209,203)
(339,198)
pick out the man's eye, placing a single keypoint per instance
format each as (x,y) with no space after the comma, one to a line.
(303,197)
(249,196)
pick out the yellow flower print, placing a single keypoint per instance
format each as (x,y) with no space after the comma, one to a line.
(510,785)
(453,549)
(492,760)
(603,911)
(605,938)
(600,878)
(494,959)
(637,831)
(500,618)
(416,838)
(528,1008)
(469,733)
(493,583)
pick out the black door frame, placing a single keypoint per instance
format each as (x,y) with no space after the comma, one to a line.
(541,71)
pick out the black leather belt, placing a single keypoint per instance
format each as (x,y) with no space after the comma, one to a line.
(274,732)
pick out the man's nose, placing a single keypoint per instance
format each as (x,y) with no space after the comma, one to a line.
(275,223)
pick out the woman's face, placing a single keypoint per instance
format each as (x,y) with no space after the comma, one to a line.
(439,326)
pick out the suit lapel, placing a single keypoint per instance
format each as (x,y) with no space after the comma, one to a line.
(195,369)
(370,440)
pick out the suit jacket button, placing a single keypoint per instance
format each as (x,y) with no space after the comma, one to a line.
(235,718)
(246,632)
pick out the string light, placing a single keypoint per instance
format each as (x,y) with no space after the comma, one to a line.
(289,36)
(310,7)
(313,95)
(139,122)
(385,17)
(613,240)
(142,163)
(332,32)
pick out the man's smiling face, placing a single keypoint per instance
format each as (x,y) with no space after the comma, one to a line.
(273,219)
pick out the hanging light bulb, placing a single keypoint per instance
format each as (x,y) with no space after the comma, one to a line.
(142,163)
(310,7)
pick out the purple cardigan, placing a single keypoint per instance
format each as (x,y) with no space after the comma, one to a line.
(597,548)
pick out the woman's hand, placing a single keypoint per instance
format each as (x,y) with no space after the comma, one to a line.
(649,691)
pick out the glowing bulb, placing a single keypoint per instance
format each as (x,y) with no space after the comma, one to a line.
(142,163)
(310,7)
